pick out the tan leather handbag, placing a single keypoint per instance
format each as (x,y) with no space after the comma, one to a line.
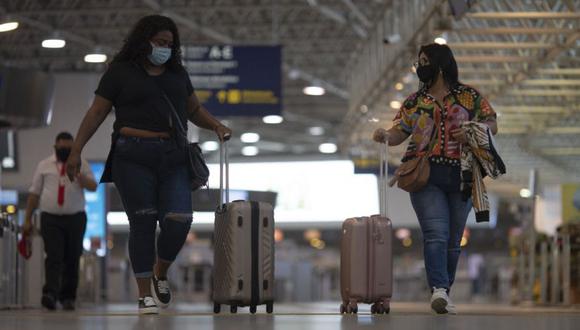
(413,174)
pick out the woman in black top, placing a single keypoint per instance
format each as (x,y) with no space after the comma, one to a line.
(146,164)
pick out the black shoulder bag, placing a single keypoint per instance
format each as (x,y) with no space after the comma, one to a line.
(198,171)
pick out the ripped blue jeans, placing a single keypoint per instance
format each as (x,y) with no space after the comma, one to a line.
(442,215)
(153,182)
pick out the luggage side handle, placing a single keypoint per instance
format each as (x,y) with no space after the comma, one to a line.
(224,160)
(383,179)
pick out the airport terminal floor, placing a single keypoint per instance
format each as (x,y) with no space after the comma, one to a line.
(296,316)
(303,156)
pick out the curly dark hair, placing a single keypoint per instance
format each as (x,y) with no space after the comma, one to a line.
(136,46)
(442,57)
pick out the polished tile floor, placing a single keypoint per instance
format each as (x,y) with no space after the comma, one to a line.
(294,317)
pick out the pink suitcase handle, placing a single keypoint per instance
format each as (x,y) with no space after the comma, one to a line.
(383,179)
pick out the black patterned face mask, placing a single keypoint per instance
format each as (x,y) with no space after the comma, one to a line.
(427,73)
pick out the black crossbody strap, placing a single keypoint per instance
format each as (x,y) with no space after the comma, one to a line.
(180,127)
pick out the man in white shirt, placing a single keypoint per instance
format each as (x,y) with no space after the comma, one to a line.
(63,221)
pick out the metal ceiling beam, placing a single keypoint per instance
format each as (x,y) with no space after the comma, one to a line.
(50,29)
(561,151)
(560,71)
(524,15)
(562,130)
(499,45)
(341,18)
(492,59)
(557,71)
(535,65)
(188,22)
(515,30)
(534,82)
(512,130)
(199,8)
(357,13)
(535,109)
(300,74)
(544,92)
(565,130)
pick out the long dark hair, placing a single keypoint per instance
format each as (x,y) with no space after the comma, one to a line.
(442,57)
(137,46)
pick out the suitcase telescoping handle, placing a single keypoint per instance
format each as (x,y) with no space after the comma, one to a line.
(224,160)
(383,178)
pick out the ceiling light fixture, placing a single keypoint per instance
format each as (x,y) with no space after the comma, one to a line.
(95,58)
(8,26)
(327,148)
(440,40)
(395,104)
(273,119)
(525,193)
(250,137)
(314,91)
(55,41)
(250,151)
(210,146)
(316,130)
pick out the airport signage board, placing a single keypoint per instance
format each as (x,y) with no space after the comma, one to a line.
(236,80)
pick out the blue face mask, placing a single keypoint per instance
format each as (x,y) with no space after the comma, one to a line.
(159,55)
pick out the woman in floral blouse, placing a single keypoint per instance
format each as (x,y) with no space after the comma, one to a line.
(432,117)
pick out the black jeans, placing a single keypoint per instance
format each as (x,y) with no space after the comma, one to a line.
(63,244)
(153,182)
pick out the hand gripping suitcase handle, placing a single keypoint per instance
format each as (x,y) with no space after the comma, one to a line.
(224,160)
(383,179)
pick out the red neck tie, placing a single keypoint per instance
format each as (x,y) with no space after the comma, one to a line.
(61,186)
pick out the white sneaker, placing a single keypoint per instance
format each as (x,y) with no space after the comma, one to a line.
(451,308)
(440,301)
(147,305)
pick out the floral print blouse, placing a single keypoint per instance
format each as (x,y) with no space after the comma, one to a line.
(420,113)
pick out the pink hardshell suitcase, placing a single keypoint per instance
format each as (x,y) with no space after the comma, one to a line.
(366,261)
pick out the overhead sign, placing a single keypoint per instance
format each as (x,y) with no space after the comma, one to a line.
(571,203)
(237,80)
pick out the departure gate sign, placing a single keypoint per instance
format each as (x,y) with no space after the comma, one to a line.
(237,80)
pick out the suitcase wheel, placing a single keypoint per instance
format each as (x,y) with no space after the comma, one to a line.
(217,308)
(351,308)
(386,309)
(348,309)
(270,307)
(233,309)
(380,308)
(253,309)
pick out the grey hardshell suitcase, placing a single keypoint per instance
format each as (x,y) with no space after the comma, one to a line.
(243,251)
(366,261)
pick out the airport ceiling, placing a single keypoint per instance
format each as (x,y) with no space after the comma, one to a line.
(521,54)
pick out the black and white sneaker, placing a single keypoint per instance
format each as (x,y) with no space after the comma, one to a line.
(161,292)
(147,306)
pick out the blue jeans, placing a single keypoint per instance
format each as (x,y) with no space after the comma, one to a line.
(442,215)
(153,182)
